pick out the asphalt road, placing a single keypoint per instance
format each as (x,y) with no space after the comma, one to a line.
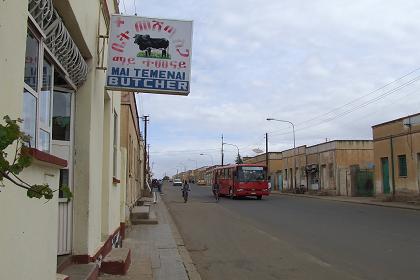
(285,237)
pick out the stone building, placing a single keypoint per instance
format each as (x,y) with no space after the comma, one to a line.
(397,156)
(132,156)
(322,167)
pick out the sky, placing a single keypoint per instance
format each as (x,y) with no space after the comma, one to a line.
(334,70)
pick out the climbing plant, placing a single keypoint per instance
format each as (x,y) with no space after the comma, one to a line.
(12,136)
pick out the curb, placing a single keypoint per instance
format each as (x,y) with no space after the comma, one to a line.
(190,268)
(381,204)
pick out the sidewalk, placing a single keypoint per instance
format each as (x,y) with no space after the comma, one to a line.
(359,200)
(157,251)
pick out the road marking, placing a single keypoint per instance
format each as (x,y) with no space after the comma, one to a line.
(316,260)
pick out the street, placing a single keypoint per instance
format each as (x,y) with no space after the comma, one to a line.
(283,237)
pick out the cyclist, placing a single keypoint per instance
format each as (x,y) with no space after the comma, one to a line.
(185,190)
(216,191)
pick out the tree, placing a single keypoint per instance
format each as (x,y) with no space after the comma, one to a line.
(10,134)
(239,159)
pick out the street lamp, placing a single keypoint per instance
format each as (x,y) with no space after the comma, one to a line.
(224,143)
(183,165)
(211,157)
(195,162)
(294,147)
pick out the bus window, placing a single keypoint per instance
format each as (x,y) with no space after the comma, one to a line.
(251,173)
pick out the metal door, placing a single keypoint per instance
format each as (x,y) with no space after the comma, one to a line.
(62,146)
(280,177)
(385,175)
(272,182)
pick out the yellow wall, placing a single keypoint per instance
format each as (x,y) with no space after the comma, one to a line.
(405,141)
(134,169)
(28,234)
(30,225)
(97,199)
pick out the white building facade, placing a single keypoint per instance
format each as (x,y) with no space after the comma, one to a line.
(51,75)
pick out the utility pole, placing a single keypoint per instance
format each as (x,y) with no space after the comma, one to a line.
(148,159)
(266,152)
(146,120)
(294,148)
(222,149)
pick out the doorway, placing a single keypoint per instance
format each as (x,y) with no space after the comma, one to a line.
(324,183)
(62,146)
(280,180)
(385,175)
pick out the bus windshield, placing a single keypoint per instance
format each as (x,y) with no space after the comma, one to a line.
(251,173)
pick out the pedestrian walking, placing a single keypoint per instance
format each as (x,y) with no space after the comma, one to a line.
(155,190)
(159,186)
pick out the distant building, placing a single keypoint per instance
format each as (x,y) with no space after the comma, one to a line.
(322,167)
(132,155)
(335,166)
(397,156)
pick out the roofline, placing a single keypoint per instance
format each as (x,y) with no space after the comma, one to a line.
(291,149)
(356,140)
(396,120)
(242,164)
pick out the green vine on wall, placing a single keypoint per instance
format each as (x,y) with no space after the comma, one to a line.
(11,135)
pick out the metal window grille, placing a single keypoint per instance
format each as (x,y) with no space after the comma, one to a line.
(58,40)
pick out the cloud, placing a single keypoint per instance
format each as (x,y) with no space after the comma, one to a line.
(294,60)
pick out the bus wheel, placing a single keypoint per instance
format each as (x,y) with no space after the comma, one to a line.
(259,197)
(231,194)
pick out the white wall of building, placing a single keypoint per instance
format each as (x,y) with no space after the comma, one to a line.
(28,235)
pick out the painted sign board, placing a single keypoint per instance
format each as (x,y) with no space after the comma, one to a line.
(149,55)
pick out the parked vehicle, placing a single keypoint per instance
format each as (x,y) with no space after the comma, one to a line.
(241,180)
(177,183)
(201,182)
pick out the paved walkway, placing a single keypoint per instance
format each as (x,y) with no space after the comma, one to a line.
(360,200)
(157,251)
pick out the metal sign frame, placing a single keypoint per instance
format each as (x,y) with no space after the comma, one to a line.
(149,55)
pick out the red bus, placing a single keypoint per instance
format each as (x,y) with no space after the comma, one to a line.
(241,180)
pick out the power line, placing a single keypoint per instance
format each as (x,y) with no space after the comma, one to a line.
(357,99)
(376,98)
(357,107)
(368,94)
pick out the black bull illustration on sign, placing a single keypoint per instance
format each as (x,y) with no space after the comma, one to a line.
(147,43)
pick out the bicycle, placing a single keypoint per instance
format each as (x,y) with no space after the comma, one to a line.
(185,190)
(185,195)
(216,194)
